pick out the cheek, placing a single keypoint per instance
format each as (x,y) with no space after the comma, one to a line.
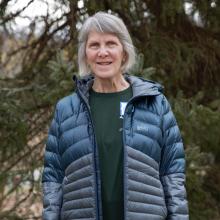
(119,53)
(119,56)
(90,56)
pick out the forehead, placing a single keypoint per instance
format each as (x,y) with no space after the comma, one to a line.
(98,36)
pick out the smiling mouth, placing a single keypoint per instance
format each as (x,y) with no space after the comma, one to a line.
(104,63)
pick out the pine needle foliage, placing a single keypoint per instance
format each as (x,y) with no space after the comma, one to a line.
(179,48)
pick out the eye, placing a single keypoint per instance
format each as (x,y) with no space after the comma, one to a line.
(111,43)
(93,45)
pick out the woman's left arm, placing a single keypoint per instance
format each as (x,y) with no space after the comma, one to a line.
(53,174)
(172,166)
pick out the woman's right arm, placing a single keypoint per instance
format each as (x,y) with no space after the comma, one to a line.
(52,174)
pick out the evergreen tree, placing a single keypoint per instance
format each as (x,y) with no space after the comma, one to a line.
(179,48)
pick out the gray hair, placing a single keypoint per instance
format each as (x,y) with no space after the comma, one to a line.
(105,23)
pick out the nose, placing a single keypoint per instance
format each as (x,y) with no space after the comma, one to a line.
(103,52)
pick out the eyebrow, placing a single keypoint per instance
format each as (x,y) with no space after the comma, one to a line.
(93,42)
(107,41)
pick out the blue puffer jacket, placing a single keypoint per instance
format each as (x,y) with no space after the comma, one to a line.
(153,159)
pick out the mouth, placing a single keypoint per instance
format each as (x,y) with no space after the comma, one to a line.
(104,63)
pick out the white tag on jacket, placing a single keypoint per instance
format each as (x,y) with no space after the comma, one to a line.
(122,109)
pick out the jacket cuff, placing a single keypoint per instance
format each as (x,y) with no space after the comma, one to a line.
(52,200)
(175,196)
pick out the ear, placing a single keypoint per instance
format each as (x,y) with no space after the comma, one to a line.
(88,66)
(86,60)
(124,59)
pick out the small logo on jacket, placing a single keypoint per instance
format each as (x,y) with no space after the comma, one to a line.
(142,128)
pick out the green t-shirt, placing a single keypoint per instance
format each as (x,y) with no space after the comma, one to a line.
(107,114)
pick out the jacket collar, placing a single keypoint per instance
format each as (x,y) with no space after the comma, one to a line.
(140,86)
(143,87)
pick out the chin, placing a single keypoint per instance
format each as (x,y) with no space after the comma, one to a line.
(105,75)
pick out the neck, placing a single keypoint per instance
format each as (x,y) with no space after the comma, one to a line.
(108,85)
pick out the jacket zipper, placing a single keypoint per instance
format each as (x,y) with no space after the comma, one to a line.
(97,179)
(124,154)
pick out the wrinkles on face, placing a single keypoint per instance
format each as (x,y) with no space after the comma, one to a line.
(104,54)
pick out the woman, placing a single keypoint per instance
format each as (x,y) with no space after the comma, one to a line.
(114,149)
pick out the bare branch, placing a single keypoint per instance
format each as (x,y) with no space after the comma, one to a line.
(13,15)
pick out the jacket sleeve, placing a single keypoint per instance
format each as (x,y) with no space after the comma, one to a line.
(53,174)
(172,167)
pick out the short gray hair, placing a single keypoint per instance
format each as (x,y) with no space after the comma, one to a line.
(105,23)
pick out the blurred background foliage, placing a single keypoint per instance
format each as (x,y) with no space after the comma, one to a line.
(178,43)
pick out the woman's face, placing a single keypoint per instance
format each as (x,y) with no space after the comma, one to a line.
(104,54)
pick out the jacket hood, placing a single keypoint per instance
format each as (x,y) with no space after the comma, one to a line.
(140,86)
(143,87)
